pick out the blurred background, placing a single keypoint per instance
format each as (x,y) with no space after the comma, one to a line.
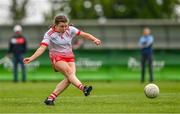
(118,23)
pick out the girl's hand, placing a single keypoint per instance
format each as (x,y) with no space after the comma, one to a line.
(27,60)
(97,42)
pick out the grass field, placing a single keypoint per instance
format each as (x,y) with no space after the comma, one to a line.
(107,97)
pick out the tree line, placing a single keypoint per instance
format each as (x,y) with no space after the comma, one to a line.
(110,9)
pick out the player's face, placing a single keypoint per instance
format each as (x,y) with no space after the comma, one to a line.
(62,27)
(147,31)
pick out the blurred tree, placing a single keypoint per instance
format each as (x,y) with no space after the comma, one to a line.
(93,9)
(57,7)
(124,8)
(18,10)
(83,9)
(149,8)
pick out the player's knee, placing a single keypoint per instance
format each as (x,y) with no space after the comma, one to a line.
(68,72)
(67,81)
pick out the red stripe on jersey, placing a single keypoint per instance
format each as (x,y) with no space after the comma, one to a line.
(51,32)
(78,33)
(54,29)
(67,33)
(45,44)
(61,36)
(20,41)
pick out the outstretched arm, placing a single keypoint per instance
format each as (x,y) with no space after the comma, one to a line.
(90,37)
(38,52)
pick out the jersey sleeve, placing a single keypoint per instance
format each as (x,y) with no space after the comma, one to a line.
(74,31)
(45,40)
(141,41)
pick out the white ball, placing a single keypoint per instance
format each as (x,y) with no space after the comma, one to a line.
(151,90)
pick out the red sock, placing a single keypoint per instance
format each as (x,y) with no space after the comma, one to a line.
(81,87)
(52,96)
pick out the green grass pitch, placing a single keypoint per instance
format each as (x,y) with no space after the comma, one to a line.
(106,97)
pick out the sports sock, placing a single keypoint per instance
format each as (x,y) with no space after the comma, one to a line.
(81,87)
(52,96)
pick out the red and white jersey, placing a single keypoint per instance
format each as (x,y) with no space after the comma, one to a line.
(60,43)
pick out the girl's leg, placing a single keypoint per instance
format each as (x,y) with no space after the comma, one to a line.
(61,86)
(73,76)
(64,83)
(69,70)
(59,89)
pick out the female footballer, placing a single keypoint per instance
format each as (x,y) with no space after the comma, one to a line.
(58,39)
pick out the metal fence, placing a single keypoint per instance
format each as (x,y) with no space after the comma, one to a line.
(117,34)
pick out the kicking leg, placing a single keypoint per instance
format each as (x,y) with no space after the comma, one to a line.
(69,70)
